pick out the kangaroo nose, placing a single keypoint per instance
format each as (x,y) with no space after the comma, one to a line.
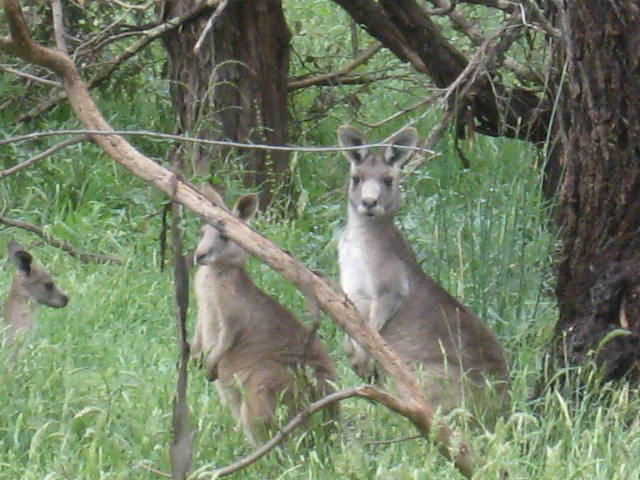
(369,203)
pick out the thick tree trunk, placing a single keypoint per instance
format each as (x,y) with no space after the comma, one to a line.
(235,87)
(598,287)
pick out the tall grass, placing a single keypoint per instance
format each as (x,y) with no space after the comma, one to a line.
(90,397)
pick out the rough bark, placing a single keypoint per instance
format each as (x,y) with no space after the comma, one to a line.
(598,287)
(235,86)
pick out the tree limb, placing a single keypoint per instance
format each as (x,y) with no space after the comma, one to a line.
(368,392)
(85,257)
(40,156)
(335,76)
(405,28)
(411,401)
(147,37)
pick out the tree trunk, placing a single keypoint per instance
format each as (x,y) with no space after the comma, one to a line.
(598,287)
(235,87)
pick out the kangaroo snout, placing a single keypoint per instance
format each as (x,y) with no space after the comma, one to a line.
(59,302)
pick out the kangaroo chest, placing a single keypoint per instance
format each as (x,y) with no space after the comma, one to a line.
(369,266)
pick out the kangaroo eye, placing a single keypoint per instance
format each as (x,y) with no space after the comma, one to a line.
(355,180)
(388,181)
(48,285)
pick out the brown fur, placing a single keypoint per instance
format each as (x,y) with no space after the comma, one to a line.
(447,343)
(32,285)
(256,349)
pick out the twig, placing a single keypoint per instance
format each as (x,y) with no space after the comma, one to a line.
(319,79)
(149,468)
(28,76)
(128,6)
(222,5)
(147,37)
(84,257)
(394,440)
(40,156)
(422,103)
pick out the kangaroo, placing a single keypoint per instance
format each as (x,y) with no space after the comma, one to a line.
(32,285)
(259,352)
(446,343)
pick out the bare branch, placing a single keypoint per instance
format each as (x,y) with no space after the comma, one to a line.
(368,392)
(58,25)
(84,257)
(28,76)
(147,37)
(335,76)
(212,20)
(40,156)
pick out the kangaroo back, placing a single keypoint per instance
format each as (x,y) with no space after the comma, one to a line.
(261,355)
(451,348)
(32,285)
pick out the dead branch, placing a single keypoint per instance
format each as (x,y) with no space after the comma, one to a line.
(58,25)
(182,441)
(28,76)
(335,76)
(411,403)
(368,392)
(40,156)
(84,257)
(221,6)
(146,38)
(461,23)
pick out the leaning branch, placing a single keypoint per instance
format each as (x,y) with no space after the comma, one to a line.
(368,392)
(412,401)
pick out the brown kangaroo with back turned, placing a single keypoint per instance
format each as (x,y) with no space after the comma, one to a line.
(261,355)
(453,351)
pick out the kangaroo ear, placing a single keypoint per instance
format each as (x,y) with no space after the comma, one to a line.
(396,154)
(349,136)
(246,207)
(211,193)
(20,257)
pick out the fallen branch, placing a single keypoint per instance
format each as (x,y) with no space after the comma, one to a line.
(84,257)
(411,403)
(368,392)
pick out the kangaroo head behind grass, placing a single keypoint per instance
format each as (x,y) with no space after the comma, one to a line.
(32,285)
(261,355)
(451,349)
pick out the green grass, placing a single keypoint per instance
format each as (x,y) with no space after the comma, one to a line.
(90,397)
